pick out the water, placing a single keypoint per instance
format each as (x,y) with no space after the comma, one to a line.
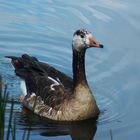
(44,29)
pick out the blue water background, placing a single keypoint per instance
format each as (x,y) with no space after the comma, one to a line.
(44,29)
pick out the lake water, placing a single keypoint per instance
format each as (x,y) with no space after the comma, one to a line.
(44,29)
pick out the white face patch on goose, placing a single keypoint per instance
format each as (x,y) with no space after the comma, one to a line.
(56,83)
(81,39)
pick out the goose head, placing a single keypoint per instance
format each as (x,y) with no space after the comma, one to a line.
(83,39)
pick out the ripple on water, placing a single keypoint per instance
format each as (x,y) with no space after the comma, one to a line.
(44,31)
(110,104)
(109,93)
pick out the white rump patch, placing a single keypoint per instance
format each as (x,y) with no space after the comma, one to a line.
(56,83)
(23,87)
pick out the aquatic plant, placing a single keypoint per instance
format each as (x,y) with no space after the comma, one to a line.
(3,102)
(10,131)
(2,108)
(111,135)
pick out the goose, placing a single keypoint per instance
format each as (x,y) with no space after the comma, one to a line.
(52,94)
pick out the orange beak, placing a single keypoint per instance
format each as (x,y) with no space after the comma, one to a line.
(94,43)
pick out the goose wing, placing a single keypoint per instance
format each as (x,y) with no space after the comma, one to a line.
(43,80)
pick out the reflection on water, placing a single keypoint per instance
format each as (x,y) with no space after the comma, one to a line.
(81,130)
(44,29)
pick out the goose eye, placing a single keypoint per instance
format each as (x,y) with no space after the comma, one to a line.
(82,36)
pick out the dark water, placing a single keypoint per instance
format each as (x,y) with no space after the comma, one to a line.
(44,29)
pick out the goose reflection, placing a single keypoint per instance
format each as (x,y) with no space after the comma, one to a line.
(83,130)
(80,130)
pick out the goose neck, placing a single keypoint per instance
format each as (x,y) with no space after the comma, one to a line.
(79,75)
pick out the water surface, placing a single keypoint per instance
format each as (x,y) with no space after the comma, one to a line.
(44,29)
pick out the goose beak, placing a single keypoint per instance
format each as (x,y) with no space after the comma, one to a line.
(94,43)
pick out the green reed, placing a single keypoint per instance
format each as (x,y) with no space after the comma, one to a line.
(111,135)
(3,103)
(10,131)
(2,114)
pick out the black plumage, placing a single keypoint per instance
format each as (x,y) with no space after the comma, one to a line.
(38,77)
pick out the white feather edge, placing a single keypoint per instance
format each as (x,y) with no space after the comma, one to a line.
(56,83)
(23,87)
